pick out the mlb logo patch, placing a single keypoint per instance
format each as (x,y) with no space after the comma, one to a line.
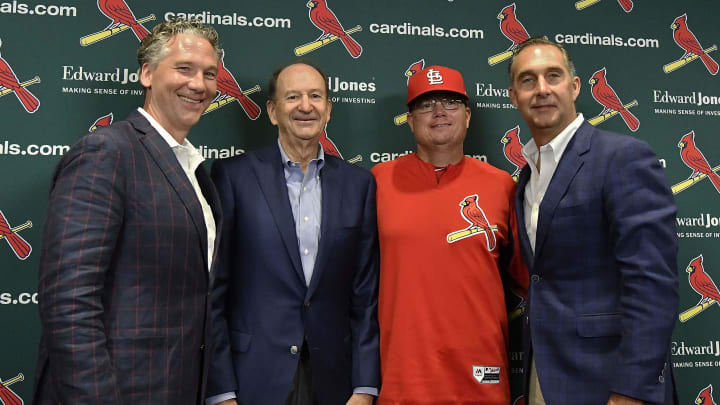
(486,374)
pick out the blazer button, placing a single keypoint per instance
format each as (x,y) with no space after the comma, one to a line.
(306,304)
(293,349)
(535,278)
(202,347)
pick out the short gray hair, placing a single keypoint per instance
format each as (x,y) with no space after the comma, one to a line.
(155,45)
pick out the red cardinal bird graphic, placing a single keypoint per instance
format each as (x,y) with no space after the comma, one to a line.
(519,400)
(328,145)
(414,68)
(687,41)
(605,95)
(18,245)
(323,18)
(8,396)
(103,121)
(227,85)
(695,160)
(472,213)
(705,396)
(10,81)
(513,149)
(511,27)
(119,12)
(627,5)
(701,282)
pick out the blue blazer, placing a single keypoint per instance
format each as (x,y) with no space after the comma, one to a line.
(603,280)
(262,308)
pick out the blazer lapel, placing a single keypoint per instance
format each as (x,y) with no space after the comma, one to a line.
(526,249)
(271,177)
(213,199)
(164,157)
(568,167)
(332,191)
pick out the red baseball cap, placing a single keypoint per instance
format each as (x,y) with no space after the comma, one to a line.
(435,78)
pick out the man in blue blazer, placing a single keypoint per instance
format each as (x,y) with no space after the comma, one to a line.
(597,232)
(129,240)
(295,300)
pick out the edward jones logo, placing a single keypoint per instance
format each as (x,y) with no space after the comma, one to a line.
(9,83)
(325,20)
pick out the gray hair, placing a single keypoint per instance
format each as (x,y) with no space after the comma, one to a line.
(541,41)
(154,46)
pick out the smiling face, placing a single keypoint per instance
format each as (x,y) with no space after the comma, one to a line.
(301,106)
(182,85)
(544,91)
(439,128)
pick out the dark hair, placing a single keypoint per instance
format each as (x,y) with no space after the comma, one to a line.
(272,84)
(541,41)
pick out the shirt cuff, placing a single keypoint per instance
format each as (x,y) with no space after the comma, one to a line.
(364,390)
(219,398)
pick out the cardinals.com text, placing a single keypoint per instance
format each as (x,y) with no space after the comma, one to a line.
(13,149)
(427,31)
(24,298)
(233,19)
(612,40)
(14,7)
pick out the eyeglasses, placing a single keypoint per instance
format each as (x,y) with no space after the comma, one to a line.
(426,106)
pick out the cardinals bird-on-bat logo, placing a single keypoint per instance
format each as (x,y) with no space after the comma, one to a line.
(332,30)
(702,284)
(479,223)
(329,147)
(8,396)
(686,40)
(103,121)
(612,106)
(18,245)
(411,70)
(513,30)
(705,397)
(121,19)
(9,83)
(513,150)
(695,160)
(229,91)
(626,5)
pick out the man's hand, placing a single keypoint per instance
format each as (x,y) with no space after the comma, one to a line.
(617,399)
(360,399)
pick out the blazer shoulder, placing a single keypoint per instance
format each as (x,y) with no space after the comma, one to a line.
(349,171)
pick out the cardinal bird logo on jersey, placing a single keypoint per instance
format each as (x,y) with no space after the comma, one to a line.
(513,150)
(472,213)
(705,397)
(327,22)
(122,19)
(626,5)
(9,83)
(411,70)
(606,96)
(18,245)
(229,90)
(103,121)
(8,396)
(513,30)
(686,40)
(694,159)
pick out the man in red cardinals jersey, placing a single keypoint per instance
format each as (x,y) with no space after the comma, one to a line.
(447,241)
(597,233)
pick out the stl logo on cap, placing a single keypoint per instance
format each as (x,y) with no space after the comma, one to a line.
(122,19)
(434,77)
(9,84)
(701,282)
(415,67)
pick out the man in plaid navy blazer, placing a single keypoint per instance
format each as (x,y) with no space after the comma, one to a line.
(129,239)
(597,232)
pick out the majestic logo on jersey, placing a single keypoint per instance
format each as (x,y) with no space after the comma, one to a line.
(326,21)
(411,70)
(18,245)
(486,375)
(229,91)
(695,160)
(9,83)
(686,40)
(479,224)
(103,121)
(701,282)
(513,30)
(122,19)
(626,5)
(606,96)
(8,396)
(513,150)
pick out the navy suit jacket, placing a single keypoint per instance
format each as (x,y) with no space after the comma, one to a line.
(124,279)
(603,280)
(261,304)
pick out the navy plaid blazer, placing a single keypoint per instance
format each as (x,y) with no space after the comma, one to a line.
(124,278)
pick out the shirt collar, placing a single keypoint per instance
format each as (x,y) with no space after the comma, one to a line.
(194,157)
(557,145)
(288,163)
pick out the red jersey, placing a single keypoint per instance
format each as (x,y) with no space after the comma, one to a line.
(444,246)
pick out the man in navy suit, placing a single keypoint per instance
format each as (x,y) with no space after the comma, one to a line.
(295,300)
(597,226)
(129,241)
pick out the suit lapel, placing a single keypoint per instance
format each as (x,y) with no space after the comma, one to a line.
(271,177)
(166,160)
(526,249)
(213,199)
(331,200)
(568,167)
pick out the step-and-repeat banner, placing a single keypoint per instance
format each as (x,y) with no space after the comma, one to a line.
(68,67)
